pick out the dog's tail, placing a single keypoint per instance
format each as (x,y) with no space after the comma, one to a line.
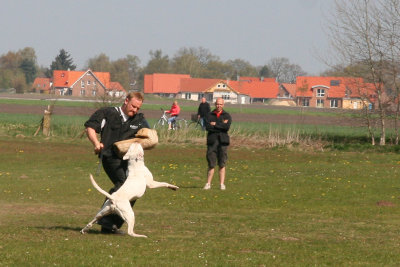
(99,188)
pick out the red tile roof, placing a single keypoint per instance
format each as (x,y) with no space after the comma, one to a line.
(67,78)
(198,84)
(116,86)
(337,86)
(291,88)
(256,89)
(163,83)
(41,84)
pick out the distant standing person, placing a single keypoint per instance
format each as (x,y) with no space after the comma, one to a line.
(217,124)
(174,112)
(202,111)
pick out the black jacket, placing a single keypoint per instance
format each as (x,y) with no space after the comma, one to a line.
(220,130)
(203,110)
(114,128)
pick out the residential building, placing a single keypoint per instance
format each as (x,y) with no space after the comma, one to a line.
(85,83)
(334,92)
(245,90)
(41,85)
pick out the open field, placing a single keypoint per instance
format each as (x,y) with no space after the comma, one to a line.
(28,104)
(281,208)
(284,205)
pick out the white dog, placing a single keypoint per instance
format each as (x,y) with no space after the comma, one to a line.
(134,187)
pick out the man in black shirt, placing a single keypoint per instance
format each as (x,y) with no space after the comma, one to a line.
(115,124)
(217,123)
(202,111)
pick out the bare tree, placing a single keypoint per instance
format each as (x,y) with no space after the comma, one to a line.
(391,26)
(284,71)
(359,34)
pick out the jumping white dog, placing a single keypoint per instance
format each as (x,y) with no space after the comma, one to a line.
(134,187)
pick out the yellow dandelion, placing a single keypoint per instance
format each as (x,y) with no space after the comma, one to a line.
(89,190)
(191,196)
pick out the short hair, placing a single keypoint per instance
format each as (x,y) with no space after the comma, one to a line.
(138,95)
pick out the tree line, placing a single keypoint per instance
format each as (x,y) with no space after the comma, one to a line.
(19,69)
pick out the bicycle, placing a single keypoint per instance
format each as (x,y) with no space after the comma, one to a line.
(178,123)
(195,122)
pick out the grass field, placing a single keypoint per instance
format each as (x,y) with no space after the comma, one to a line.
(72,126)
(186,105)
(281,208)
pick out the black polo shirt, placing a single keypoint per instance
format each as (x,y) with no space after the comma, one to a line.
(109,122)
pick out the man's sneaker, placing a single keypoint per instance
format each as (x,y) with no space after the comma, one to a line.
(207,186)
(223,187)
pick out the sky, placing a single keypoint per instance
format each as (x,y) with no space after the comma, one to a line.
(251,30)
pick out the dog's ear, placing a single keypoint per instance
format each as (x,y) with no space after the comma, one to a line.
(126,156)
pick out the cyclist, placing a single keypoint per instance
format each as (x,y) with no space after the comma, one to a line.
(174,112)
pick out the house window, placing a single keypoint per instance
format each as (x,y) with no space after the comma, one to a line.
(320,92)
(188,96)
(320,103)
(88,82)
(94,92)
(334,103)
(94,82)
(225,96)
(83,92)
(224,85)
(201,95)
(306,102)
(218,85)
(82,84)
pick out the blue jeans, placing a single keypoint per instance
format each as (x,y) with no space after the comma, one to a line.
(202,123)
(171,119)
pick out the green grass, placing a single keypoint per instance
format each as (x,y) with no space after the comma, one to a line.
(186,105)
(281,208)
(338,137)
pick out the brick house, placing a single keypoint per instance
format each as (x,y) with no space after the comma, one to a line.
(334,92)
(41,85)
(85,83)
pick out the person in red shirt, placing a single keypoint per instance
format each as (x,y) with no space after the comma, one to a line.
(174,112)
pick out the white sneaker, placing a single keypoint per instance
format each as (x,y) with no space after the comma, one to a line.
(207,186)
(223,187)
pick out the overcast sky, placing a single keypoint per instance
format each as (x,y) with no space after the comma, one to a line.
(252,30)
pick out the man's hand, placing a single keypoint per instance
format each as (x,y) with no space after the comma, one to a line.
(213,123)
(98,147)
